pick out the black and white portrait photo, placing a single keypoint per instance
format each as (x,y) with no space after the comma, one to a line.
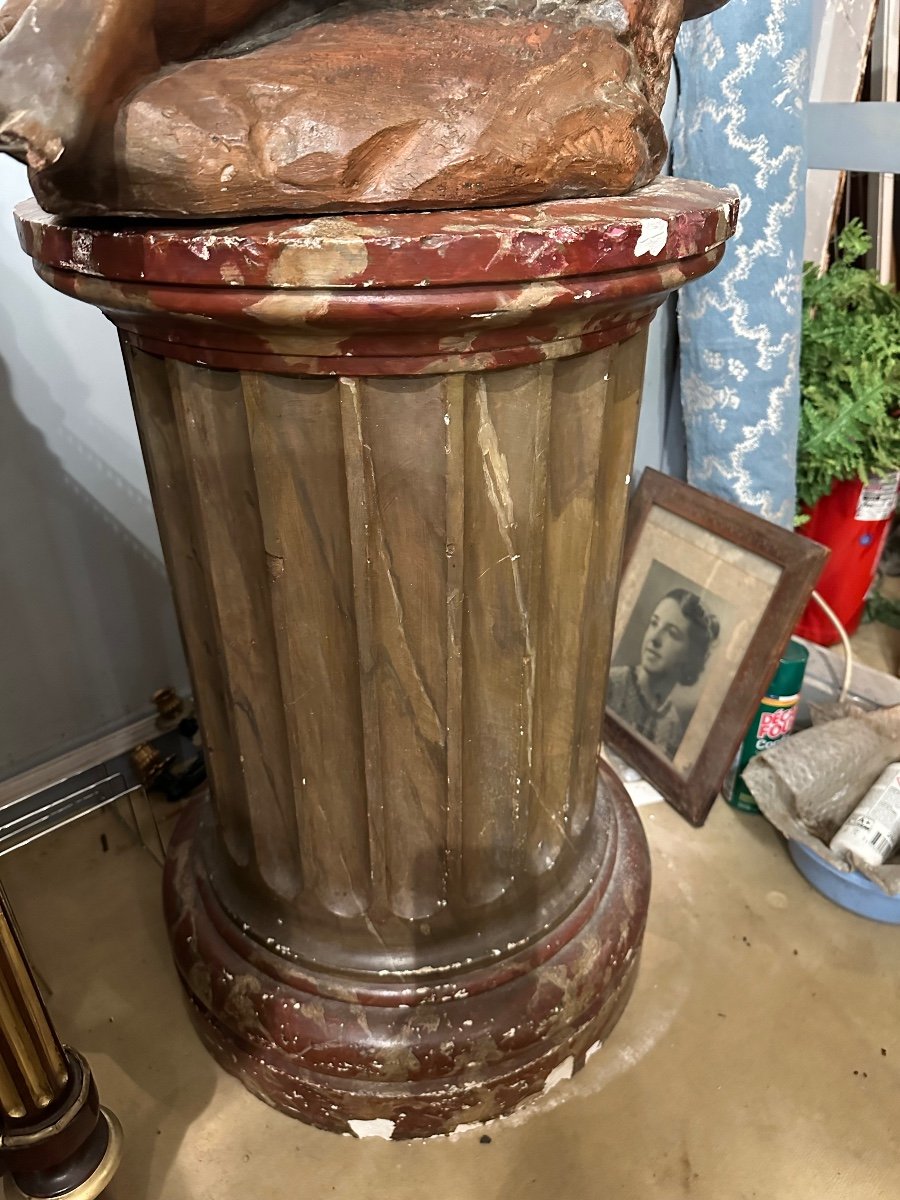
(658,668)
(708,597)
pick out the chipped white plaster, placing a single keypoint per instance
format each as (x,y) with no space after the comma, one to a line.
(560,1074)
(379,1128)
(653,236)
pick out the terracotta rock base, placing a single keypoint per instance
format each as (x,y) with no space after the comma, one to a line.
(400,104)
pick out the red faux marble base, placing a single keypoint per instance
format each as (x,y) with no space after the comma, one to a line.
(419,1052)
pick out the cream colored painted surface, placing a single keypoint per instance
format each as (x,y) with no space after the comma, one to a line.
(878,645)
(731,1076)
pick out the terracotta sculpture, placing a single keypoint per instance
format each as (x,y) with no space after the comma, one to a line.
(177,107)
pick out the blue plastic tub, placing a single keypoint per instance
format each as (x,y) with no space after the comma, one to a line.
(849,889)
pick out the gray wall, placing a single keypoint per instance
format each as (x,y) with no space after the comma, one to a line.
(661,439)
(87,628)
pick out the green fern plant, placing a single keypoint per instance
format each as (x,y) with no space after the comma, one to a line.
(849,372)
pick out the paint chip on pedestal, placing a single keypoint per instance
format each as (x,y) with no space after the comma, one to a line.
(654,235)
(379,1128)
(559,1074)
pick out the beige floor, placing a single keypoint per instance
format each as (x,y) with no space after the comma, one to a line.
(760,1056)
(878,645)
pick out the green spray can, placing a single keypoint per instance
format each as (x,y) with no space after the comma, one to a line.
(774,720)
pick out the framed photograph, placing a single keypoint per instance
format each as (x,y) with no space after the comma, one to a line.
(709,597)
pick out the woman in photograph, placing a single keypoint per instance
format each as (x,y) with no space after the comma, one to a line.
(674,650)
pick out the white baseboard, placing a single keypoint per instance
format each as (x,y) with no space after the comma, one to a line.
(92,754)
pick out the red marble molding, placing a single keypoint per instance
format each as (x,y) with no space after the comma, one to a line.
(410,293)
(536,241)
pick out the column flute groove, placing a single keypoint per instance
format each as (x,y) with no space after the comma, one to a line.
(212,420)
(351,424)
(540,808)
(619,434)
(454,419)
(152,397)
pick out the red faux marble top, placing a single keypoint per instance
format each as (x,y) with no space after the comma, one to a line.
(666,222)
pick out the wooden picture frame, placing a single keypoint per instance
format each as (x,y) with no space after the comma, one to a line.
(709,596)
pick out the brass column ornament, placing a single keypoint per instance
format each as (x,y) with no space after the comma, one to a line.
(55,1139)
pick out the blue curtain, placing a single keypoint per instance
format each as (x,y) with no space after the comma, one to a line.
(743,74)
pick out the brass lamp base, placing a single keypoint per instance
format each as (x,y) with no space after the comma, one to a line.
(71,1153)
(56,1142)
(91,1187)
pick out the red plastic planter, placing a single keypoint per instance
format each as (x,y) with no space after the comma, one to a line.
(853,520)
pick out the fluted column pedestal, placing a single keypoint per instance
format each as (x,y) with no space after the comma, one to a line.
(389,458)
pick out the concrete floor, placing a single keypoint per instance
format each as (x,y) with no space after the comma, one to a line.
(759,1057)
(878,645)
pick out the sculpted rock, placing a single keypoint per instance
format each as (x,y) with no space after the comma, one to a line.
(239,107)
